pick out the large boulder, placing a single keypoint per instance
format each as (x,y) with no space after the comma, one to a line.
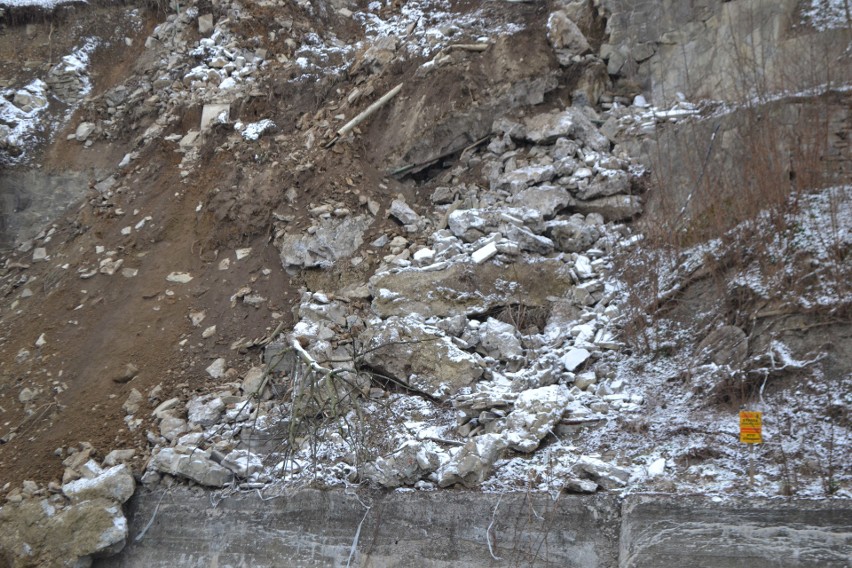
(35,533)
(546,199)
(406,466)
(472,224)
(333,240)
(570,123)
(565,37)
(468,288)
(420,357)
(473,462)
(116,483)
(612,208)
(535,415)
(194,465)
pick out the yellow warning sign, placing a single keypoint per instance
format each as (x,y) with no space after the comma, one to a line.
(751,427)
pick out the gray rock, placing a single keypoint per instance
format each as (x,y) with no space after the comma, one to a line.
(205,24)
(28,102)
(467,288)
(574,358)
(500,340)
(133,402)
(614,182)
(727,345)
(565,37)
(116,457)
(473,463)
(535,414)
(205,410)
(573,235)
(171,427)
(243,463)
(115,483)
(521,178)
(473,224)
(420,356)
(546,199)
(406,466)
(35,533)
(528,241)
(334,239)
(570,123)
(604,474)
(84,130)
(574,485)
(217,368)
(251,384)
(405,214)
(613,208)
(195,466)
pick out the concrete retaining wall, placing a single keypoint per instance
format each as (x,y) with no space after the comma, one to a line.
(443,529)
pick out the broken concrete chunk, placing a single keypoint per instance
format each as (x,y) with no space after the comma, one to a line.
(485,253)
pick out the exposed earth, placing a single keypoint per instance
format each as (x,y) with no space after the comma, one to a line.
(489,276)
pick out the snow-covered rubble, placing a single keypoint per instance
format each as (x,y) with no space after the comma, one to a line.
(518,250)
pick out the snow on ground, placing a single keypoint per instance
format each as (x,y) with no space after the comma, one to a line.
(20,112)
(828,14)
(44,4)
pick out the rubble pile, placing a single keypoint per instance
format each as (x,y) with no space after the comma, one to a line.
(457,321)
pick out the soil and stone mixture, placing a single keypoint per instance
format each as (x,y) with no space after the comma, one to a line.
(215,276)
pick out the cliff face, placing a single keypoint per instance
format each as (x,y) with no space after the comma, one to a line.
(423,245)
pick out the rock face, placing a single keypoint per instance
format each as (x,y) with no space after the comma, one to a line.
(727,345)
(697,49)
